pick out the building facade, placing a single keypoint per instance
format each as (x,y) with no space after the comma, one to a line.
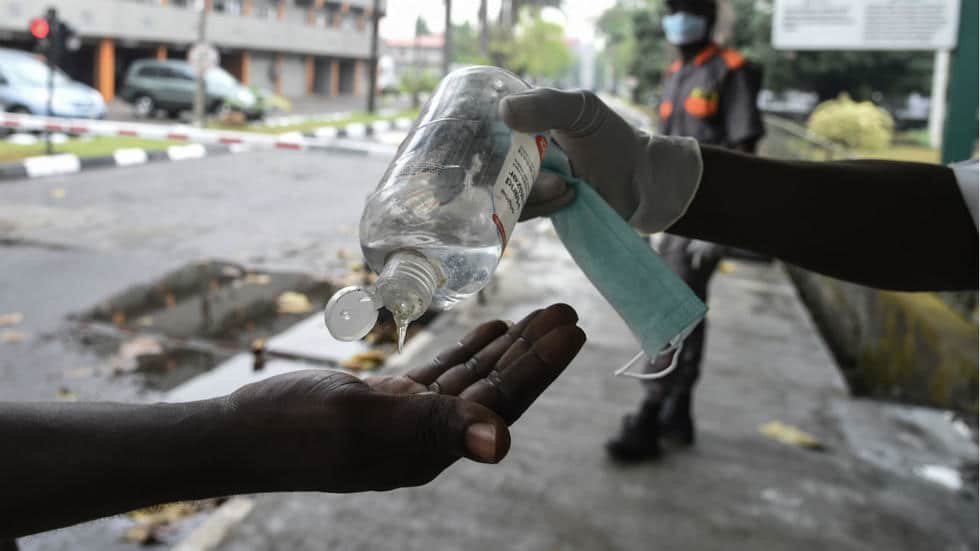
(292,47)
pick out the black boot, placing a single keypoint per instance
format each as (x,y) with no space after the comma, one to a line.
(677,419)
(639,437)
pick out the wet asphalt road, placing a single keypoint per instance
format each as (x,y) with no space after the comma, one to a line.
(68,242)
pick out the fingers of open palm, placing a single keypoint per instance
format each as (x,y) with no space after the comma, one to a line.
(463,374)
(512,390)
(469,345)
(542,109)
(554,316)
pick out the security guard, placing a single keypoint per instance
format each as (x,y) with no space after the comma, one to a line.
(709,94)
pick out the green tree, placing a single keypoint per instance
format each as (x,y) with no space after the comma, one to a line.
(616,24)
(538,48)
(466,45)
(421,27)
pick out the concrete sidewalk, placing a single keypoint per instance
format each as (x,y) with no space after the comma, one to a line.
(887,479)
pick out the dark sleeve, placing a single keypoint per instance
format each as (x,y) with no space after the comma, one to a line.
(742,119)
(887,224)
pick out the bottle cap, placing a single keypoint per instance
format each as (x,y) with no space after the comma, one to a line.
(350,314)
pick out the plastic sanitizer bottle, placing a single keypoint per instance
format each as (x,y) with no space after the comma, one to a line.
(437,224)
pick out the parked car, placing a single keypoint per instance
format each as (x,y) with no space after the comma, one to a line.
(169,85)
(24,89)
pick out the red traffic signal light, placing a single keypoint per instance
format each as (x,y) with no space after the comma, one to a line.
(40,28)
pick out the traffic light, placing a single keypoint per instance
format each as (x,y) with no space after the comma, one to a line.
(40,28)
(54,37)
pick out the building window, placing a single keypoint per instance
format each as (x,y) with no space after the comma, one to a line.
(266,9)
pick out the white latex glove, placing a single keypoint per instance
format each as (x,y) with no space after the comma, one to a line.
(648,180)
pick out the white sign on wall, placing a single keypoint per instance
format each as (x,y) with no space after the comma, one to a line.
(865,24)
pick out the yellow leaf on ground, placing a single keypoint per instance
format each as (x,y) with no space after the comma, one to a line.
(727,267)
(257,279)
(65,395)
(365,361)
(790,435)
(13,336)
(292,302)
(58,193)
(12,318)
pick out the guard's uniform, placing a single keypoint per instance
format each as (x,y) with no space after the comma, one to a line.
(712,98)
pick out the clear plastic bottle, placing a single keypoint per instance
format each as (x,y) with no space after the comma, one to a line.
(438,222)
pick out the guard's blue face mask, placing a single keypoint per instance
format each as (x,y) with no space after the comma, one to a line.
(658,307)
(685,28)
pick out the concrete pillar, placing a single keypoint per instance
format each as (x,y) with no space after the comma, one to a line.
(310,74)
(246,68)
(105,68)
(278,73)
(334,78)
(358,77)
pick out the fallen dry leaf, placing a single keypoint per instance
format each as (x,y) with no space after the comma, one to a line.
(258,279)
(365,361)
(790,435)
(727,267)
(12,318)
(65,395)
(154,522)
(58,193)
(292,302)
(127,357)
(145,534)
(13,336)
(118,319)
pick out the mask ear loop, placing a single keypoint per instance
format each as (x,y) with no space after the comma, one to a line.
(675,350)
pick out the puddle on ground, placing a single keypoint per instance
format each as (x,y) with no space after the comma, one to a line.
(185,323)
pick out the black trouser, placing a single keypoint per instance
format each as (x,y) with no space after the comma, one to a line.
(696,269)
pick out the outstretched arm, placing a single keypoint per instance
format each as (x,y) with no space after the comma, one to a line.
(887,224)
(304,431)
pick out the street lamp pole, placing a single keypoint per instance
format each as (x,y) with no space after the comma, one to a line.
(447,42)
(373,72)
(200,90)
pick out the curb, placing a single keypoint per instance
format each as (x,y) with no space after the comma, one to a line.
(67,163)
(343,139)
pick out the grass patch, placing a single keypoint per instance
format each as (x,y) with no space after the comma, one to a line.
(97,146)
(310,125)
(904,152)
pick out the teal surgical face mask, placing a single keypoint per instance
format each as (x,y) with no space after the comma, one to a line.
(684,28)
(658,307)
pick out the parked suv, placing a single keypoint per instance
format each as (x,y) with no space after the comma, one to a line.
(153,85)
(24,89)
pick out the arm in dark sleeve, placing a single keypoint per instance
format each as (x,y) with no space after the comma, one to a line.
(886,224)
(65,463)
(743,121)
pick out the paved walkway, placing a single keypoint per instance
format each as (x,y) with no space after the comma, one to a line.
(886,480)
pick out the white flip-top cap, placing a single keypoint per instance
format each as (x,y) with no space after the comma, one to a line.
(350,314)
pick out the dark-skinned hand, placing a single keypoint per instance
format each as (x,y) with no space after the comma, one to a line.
(328,431)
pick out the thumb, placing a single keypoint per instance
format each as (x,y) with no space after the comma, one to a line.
(574,112)
(447,425)
(549,194)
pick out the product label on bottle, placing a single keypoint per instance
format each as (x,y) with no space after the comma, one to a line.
(513,185)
